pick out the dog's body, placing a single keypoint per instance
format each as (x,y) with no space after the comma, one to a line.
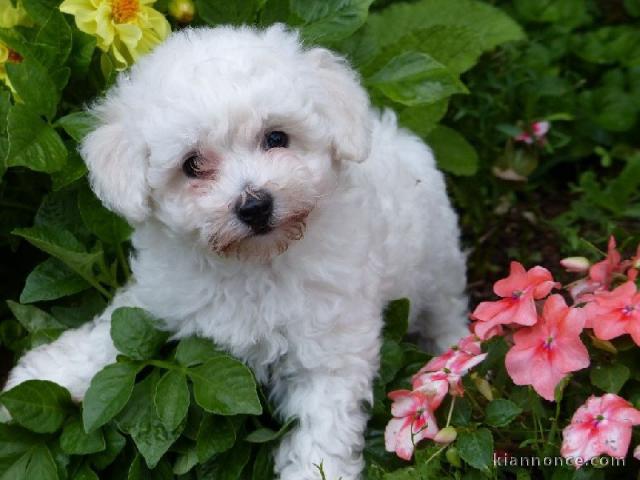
(304,312)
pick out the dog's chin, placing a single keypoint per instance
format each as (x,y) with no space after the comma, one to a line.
(262,246)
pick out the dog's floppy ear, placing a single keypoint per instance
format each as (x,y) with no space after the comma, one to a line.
(345,105)
(116,158)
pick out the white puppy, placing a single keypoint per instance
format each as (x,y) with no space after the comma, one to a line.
(276,213)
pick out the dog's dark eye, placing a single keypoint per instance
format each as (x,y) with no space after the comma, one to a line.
(276,139)
(192,166)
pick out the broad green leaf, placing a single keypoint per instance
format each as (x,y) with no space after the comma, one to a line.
(453,153)
(571,13)
(610,378)
(39,10)
(114,443)
(609,45)
(421,119)
(33,143)
(396,319)
(84,472)
(139,471)
(15,440)
(75,441)
(454,46)
(195,350)
(82,51)
(263,464)
(88,305)
(63,245)
(140,420)
(50,280)
(35,87)
(172,398)
(185,461)
(391,356)
(106,225)
(54,40)
(33,319)
(225,386)
(501,412)
(609,108)
(77,124)
(476,448)
(134,333)
(74,169)
(490,25)
(330,20)
(215,435)
(108,393)
(414,78)
(226,466)
(264,435)
(39,405)
(235,13)
(41,465)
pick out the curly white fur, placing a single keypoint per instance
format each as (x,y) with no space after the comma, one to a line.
(361,217)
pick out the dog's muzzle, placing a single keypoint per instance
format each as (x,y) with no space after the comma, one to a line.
(254,208)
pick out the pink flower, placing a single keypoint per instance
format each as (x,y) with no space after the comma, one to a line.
(413,421)
(449,368)
(601,425)
(615,313)
(600,274)
(542,355)
(519,292)
(536,132)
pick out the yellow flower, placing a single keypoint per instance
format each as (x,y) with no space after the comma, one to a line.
(11,16)
(126,28)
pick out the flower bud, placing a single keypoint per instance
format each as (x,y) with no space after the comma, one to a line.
(446,435)
(453,457)
(575,264)
(182,10)
(483,386)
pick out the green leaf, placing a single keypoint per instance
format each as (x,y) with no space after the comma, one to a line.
(609,108)
(84,472)
(263,464)
(391,357)
(215,435)
(609,45)
(140,420)
(610,378)
(330,20)
(396,319)
(41,465)
(63,245)
(108,393)
(106,225)
(568,12)
(115,442)
(39,405)
(74,440)
(490,25)
(421,119)
(226,466)
(195,350)
(77,124)
(453,153)
(73,170)
(414,78)
(33,143)
(264,435)
(185,461)
(172,399)
(134,333)
(139,471)
(225,386)
(476,448)
(235,13)
(33,319)
(50,280)
(53,40)
(15,440)
(501,412)
(35,87)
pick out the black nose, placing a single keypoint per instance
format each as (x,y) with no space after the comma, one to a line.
(254,208)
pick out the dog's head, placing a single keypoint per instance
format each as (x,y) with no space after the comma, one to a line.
(228,136)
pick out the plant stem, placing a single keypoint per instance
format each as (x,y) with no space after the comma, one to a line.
(123,261)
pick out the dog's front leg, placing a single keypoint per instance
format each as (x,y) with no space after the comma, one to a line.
(75,357)
(329,404)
